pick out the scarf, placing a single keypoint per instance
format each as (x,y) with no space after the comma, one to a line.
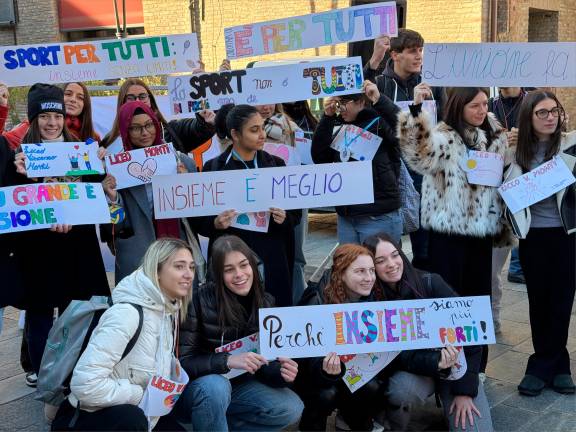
(74,125)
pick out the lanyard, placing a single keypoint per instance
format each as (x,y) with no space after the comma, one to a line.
(237,156)
(347,143)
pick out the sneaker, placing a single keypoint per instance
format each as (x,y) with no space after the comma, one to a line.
(516,278)
(563,383)
(531,386)
(31,379)
(482,377)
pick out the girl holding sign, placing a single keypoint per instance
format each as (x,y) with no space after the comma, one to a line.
(110,388)
(463,217)
(245,126)
(140,128)
(374,117)
(223,311)
(185,134)
(417,374)
(547,243)
(55,265)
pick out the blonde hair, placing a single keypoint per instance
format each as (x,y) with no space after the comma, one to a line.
(156,256)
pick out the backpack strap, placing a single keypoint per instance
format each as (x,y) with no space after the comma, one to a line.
(428,277)
(134,339)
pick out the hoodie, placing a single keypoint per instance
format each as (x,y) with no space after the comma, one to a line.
(125,117)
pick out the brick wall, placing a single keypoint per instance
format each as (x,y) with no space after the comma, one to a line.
(38,22)
(220,14)
(447,20)
(166,16)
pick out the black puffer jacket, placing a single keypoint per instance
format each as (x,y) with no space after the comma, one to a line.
(201,334)
(386,162)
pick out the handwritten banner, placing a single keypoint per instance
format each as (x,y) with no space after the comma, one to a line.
(246,344)
(254,190)
(314,30)
(265,85)
(97,60)
(62,159)
(530,64)
(356,328)
(483,168)
(536,185)
(354,142)
(252,221)
(136,167)
(35,206)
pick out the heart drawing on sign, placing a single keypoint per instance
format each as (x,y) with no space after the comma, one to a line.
(143,172)
(278,150)
(76,146)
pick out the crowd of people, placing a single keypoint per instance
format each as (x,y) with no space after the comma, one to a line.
(193,306)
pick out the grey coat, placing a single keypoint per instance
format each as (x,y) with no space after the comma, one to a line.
(130,251)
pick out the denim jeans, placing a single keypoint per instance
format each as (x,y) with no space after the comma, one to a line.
(355,229)
(214,404)
(298,279)
(515,268)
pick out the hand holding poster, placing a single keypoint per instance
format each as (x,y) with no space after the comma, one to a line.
(529,64)
(265,85)
(309,31)
(252,221)
(253,190)
(162,393)
(354,328)
(62,159)
(136,167)
(36,206)
(246,344)
(536,185)
(97,60)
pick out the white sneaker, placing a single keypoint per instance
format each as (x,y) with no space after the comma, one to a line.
(31,379)
(482,377)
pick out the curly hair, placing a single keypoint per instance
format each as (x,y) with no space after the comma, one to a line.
(344,256)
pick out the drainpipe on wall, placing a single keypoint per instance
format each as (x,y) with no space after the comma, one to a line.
(194,6)
(493,20)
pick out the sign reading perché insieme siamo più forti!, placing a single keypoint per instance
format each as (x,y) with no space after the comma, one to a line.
(97,60)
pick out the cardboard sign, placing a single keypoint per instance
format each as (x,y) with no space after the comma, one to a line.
(285,152)
(162,393)
(483,168)
(303,147)
(265,85)
(355,328)
(428,106)
(314,30)
(62,159)
(353,142)
(136,167)
(253,190)
(246,344)
(252,221)
(97,60)
(536,185)
(36,206)
(361,368)
(529,64)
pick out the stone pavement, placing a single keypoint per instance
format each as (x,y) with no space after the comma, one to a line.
(510,411)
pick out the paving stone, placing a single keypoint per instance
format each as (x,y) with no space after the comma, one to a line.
(24,413)
(498,391)
(509,367)
(552,421)
(513,333)
(565,403)
(496,350)
(535,404)
(10,351)
(517,312)
(509,418)
(10,333)
(14,388)
(510,297)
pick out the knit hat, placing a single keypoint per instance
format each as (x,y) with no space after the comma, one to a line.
(45,98)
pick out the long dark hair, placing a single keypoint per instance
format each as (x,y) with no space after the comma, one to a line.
(115,131)
(85,117)
(411,277)
(299,111)
(458,97)
(230,312)
(33,135)
(527,139)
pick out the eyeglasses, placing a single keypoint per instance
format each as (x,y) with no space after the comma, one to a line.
(139,130)
(544,113)
(341,105)
(141,97)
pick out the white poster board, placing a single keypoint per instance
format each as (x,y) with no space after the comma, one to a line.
(285,152)
(41,205)
(356,143)
(252,221)
(98,60)
(536,185)
(253,190)
(361,368)
(137,167)
(355,328)
(265,85)
(352,24)
(246,344)
(62,159)
(483,168)
(526,64)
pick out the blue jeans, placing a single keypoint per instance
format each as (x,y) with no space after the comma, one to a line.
(298,278)
(214,404)
(355,229)
(515,269)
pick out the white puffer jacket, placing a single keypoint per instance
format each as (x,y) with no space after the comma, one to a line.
(100,379)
